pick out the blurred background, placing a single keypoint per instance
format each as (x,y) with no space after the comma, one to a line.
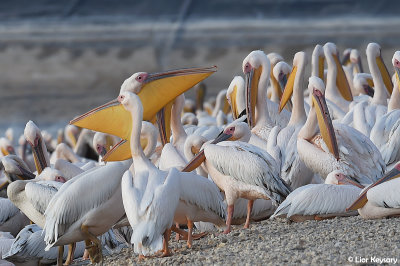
(59,59)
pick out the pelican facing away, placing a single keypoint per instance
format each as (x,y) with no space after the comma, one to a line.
(336,146)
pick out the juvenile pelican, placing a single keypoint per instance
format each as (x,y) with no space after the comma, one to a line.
(336,146)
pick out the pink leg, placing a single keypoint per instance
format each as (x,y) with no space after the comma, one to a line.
(229,219)
(249,208)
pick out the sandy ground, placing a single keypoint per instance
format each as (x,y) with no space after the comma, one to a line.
(349,240)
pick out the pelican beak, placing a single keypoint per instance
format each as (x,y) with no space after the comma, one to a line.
(341,80)
(276,85)
(287,93)
(232,96)
(369,90)
(362,199)
(25,174)
(38,155)
(321,63)
(164,123)
(226,107)
(157,90)
(385,74)
(252,79)
(346,59)
(344,180)
(123,151)
(200,157)
(7,151)
(325,122)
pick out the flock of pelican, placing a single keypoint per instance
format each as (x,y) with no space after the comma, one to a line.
(150,162)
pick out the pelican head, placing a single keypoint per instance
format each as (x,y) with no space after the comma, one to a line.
(338,178)
(287,93)
(346,56)
(281,73)
(318,60)
(71,133)
(50,174)
(332,58)
(254,65)
(34,137)
(235,96)
(317,89)
(363,83)
(355,58)
(155,91)
(6,146)
(102,142)
(16,169)
(396,64)
(374,53)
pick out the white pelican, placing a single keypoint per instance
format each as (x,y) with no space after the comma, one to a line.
(235,95)
(386,132)
(202,203)
(337,146)
(352,67)
(380,199)
(363,84)
(11,219)
(28,248)
(275,90)
(365,113)
(337,86)
(281,72)
(34,137)
(256,67)
(293,170)
(112,118)
(74,215)
(241,170)
(6,147)
(320,201)
(18,170)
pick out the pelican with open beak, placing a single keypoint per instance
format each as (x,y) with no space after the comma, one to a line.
(336,146)
(156,89)
(380,199)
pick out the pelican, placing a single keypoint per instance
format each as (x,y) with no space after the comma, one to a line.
(380,199)
(365,113)
(111,117)
(320,201)
(74,215)
(352,67)
(293,170)
(337,146)
(281,74)
(6,147)
(241,170)
(235,95)
(337,86)
(28,248)
(202,203)
(256,67)
(385,132)
(275,90)
(34,137)
(11,219)
(21,170)
(363,84)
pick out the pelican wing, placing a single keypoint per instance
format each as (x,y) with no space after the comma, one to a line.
(385,195)
(363,159)
(248,164)
(40,193)
(7,210)
(318,199)
(201,192)
(79,196)
(132,193)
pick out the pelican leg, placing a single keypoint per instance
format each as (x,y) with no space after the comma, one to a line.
(190,231)
(94,249)
(229,219)
(60,256)
(177,236)
(167,235)
(249,208)
(71,251)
